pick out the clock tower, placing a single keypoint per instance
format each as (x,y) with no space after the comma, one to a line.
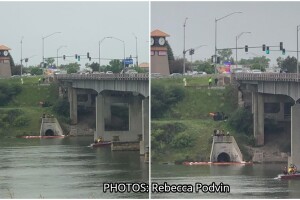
(5,68)
(159,53)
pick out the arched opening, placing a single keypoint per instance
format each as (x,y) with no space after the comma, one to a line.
(223,157)
(49,132)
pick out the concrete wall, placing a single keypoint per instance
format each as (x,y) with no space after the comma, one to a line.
(135,118)
(295,135)
(50,124)
(225,144)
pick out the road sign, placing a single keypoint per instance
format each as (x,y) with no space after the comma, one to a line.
(128,61)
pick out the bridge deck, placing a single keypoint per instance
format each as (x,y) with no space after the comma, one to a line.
(286,77)
(144,76)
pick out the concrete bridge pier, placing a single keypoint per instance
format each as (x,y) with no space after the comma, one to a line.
(258,117)
(144,144)
(295,135)
(72,95)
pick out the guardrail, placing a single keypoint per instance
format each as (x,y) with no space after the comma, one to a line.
(289,77)
(143,76)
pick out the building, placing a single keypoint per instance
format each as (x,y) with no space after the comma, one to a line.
(5,68)
(159,53)
(144,66)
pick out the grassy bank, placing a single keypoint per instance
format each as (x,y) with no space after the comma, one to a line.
(192,140)
(28,102)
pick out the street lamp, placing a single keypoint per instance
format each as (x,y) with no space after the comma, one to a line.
(297,49)
(43,38)
(236,39)
(136,50)
(115,39)
(57,54)
(216,20)
(123,49)
(184,51)
(21,54)
(100,51)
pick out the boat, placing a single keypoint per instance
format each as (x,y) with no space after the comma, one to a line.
(217,163)
(43,137)
(288,176)
(100,144)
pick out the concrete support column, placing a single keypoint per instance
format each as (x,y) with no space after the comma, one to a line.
(295,135)
(135,117)
(258,117)
(107,115)
(100,125)
(145,126)
(72,94)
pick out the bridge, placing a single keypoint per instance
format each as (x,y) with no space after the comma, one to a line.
(274,87)
(104,91)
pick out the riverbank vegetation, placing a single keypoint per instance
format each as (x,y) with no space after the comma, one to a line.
(24,105)
(181,127)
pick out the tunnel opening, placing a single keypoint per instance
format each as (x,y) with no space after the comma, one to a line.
(223,157)
(49,132)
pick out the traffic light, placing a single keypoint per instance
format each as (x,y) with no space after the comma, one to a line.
(268,50)
(90,58)
(88,55)
(26,60)
(212,59)
(281,45)
(192,51)
(246,48)
(283,51)
(264,47)
(218,60)
(64,57)
(76,56)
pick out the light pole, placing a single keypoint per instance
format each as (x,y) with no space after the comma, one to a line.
(43,38)
(236,39)
(184,24)
(297,48)
(57,54)
(21,54)
(136,50)
(123,49)
(100,51)
(216,20)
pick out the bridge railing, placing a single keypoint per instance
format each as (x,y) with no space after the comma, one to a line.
(290,77)
(144,76)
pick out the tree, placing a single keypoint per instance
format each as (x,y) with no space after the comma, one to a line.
(170,52)
(71,67)
(116,66)
(176,66)
(289,65)
(49,61)
(256,63)
(225,54)
(16,70)
(205,67)
(36,71)
(94,66)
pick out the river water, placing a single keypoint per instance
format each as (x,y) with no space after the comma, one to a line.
(65,168)
(256,181)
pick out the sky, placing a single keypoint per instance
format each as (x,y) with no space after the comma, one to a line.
(82,26)
(269,23)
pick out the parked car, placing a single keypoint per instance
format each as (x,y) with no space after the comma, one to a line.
(109,72)
(256,71)
(131,71)
(175,75)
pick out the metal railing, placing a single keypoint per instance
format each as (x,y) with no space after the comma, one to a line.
(289,77)
(140,76)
